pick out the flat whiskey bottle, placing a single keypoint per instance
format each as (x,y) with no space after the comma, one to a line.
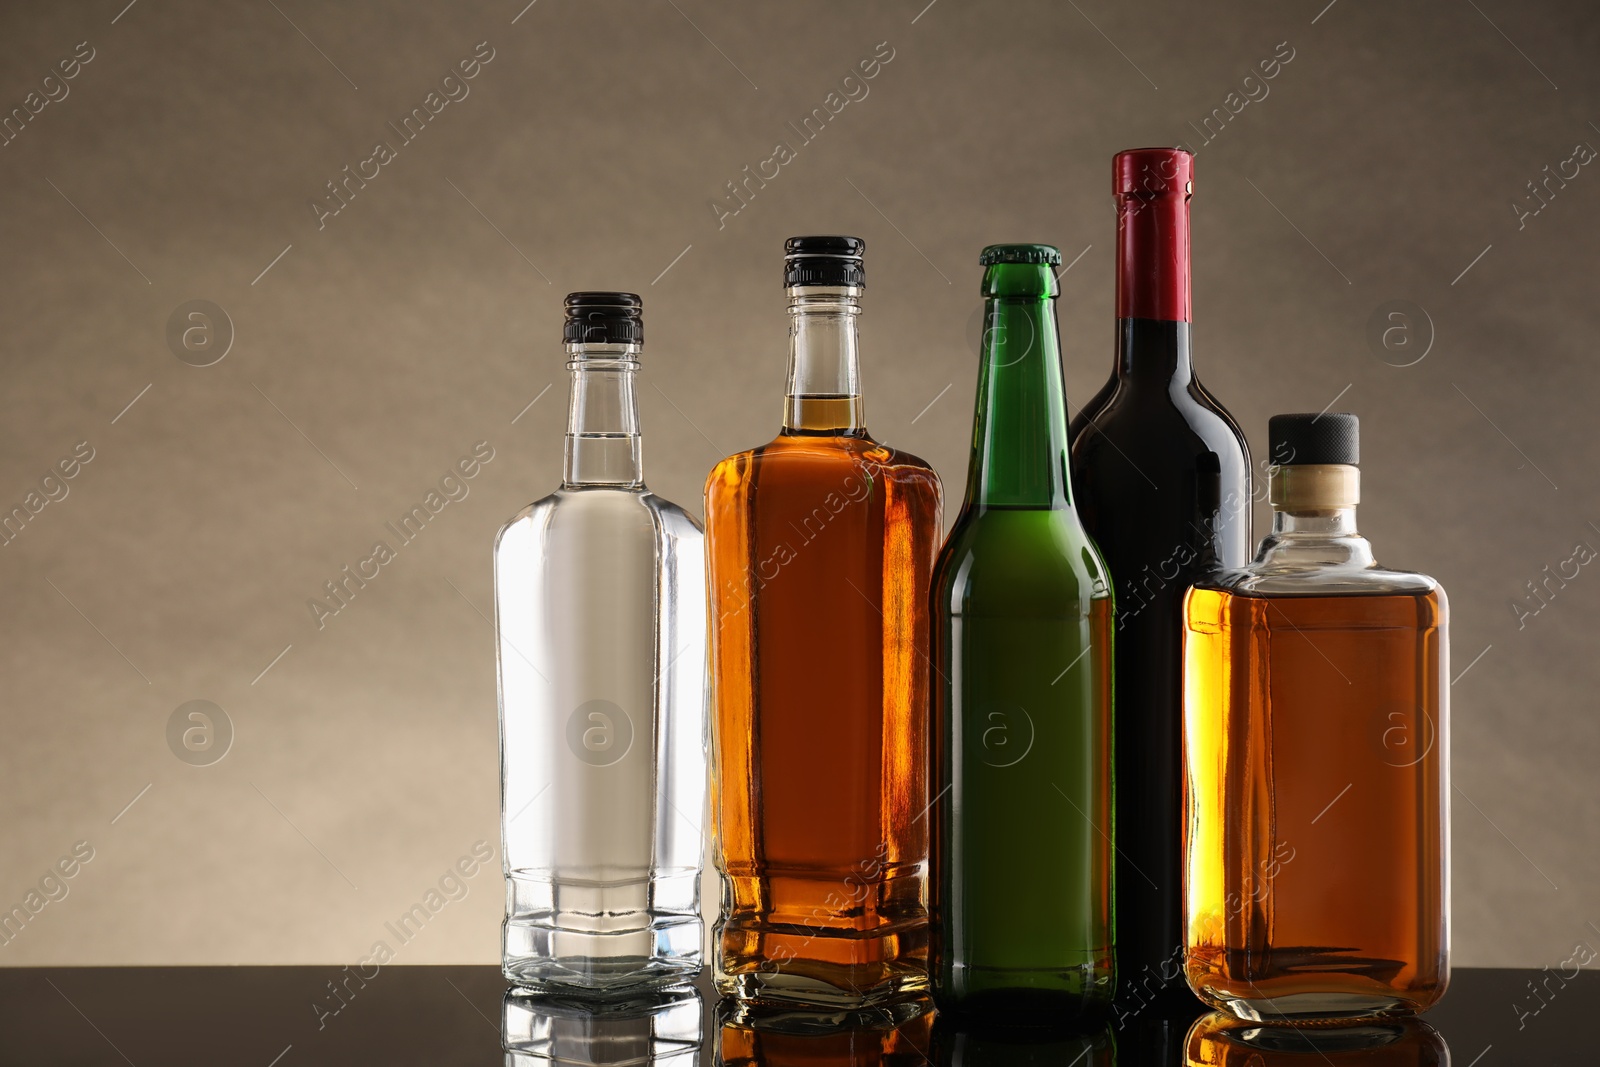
(1316,703)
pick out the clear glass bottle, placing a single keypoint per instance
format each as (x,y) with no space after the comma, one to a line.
(1316,711)
(600,622)
(820,545)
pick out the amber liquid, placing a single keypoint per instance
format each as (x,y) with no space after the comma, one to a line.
(1315,827)
(819,549)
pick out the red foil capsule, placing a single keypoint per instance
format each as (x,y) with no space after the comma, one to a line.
(1152,187)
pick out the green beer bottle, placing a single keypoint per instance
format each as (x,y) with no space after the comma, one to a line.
(1022,614)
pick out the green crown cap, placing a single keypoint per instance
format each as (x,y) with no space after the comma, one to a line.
(1045,254)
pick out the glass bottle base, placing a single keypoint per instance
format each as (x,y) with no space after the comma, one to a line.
(1309,1009)
(817,969)
(599,937)
(603,976)
(816,1020)
(812,984)
(1082,993)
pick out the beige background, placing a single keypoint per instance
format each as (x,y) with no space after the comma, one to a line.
(377,350)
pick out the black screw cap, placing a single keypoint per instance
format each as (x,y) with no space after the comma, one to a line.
(823,260)
(604,319)
(1331,437)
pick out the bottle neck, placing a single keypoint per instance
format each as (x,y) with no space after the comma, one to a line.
(1019,432)
(1153,252)
(1311,525)
(1156,351)
(1153,284)
(603,447)
(823,396)
(1314,518)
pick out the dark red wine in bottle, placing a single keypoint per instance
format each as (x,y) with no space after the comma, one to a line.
(1162,475)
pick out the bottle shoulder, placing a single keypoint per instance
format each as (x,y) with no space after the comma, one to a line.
(1153,423)
(1206,402)
(602,507)
(1090,413)
(805,459)
(1150,480)
(534,515)
(1022,547)
(674,519)
(1314,581)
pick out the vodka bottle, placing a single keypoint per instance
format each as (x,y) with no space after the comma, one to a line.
(600,623)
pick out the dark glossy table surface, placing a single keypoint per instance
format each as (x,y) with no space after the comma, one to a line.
(284,1016)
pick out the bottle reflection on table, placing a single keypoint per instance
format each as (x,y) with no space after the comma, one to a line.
(661,1028)
(895,1034)
(1007,1043)
(1155,1036)
(1219,1040)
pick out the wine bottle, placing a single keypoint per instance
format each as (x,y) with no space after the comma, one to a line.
(1022,845)
(820,545)
(600,628)
(1162,475)
(1317,698)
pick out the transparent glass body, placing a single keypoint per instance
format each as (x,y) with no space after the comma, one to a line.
(600,625)
(1316,840)
(820,545)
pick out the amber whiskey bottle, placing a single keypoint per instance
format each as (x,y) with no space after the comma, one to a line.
(1316,708)
(819,548)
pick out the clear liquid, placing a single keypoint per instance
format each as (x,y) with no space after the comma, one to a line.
(601,622)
